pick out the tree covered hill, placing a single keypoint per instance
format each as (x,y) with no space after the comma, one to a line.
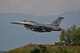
(69,43)
(46,48)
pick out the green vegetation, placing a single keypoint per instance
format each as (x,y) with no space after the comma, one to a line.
(39,48)
(69,43)
(71,36)
(36,50)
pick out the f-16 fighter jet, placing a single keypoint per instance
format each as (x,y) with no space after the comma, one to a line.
(37,27)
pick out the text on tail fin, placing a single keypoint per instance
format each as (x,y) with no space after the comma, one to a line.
(57,21)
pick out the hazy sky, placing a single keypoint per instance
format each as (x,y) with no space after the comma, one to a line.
(39,7)
(43,11)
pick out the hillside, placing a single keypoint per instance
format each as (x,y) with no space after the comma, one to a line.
(39,48)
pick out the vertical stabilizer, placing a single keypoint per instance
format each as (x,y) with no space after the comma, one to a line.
(57,21)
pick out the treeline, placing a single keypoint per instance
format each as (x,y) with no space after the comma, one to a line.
(70,36)
(40,48)
(69,43)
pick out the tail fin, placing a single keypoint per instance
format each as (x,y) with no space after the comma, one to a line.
(57,21)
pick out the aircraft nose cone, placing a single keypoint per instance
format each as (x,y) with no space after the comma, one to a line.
(14,22)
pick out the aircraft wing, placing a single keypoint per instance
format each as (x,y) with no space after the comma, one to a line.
(31,23)
(21,23)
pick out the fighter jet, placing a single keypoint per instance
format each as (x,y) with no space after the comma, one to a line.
(38,27)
